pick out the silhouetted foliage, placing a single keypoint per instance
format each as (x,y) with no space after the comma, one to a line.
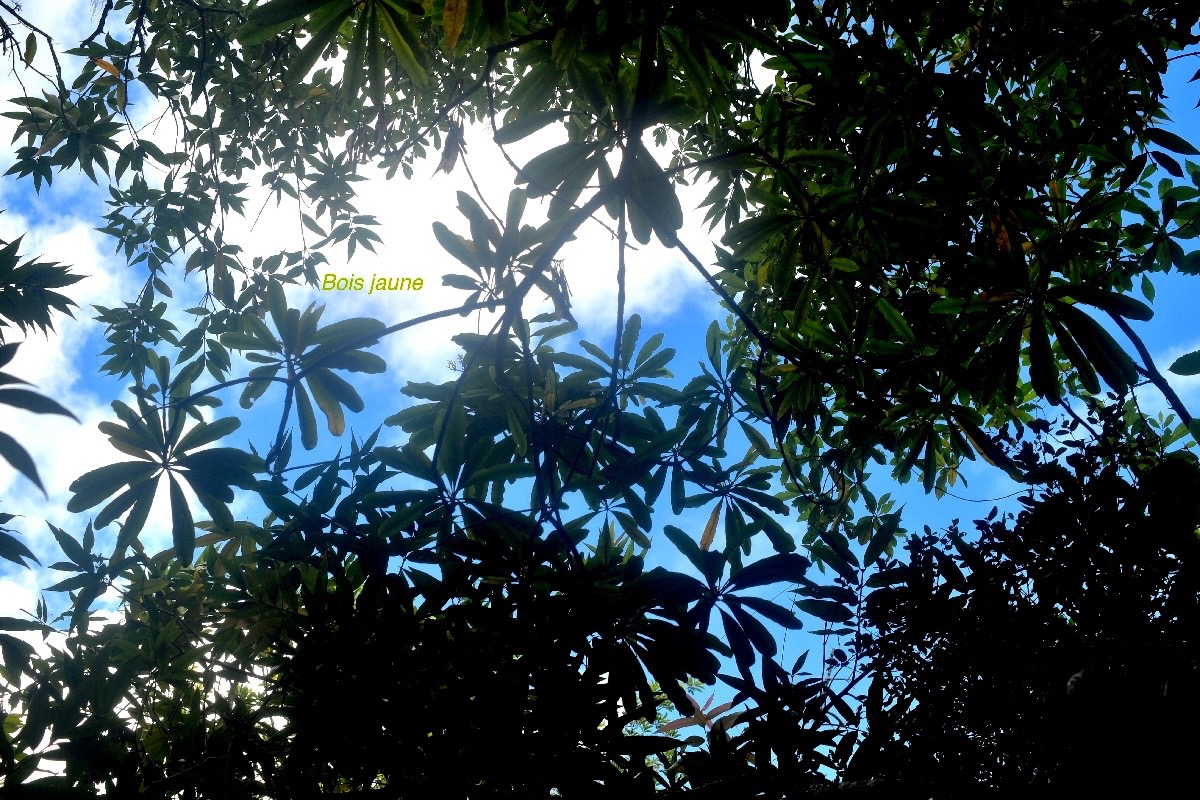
(1055,651)
(923,217)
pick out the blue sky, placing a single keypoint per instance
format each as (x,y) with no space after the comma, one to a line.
(668,294)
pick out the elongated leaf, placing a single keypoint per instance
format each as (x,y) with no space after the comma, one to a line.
(777,568)
(525,125)
(772,611)
(686,546)
(739,642)
(355,361)
(1171,141)
(358,332)
(277,305)
(710,529)
(285,12)
(883,537)
(242,341)
(828,610)
(546,171)
(454,16)
(758,634)
(183,529)
(653,194)
(32,401)
(257,388)
(93,487)
(71,548)
(314,48)
(1108,357)
(896,320)
(757,440)
(342,390)
(629,338)
(1043,372)
(222,466)
(1112,302)
(1188,364)
(136,520)
(73,583)
(119,505)
(207,433)
(19,459)
(13,549)
(1083,367)
(406,45)
(14,624)
(7,351)
(308,420)
(214,505)
(458,247)
(335,418)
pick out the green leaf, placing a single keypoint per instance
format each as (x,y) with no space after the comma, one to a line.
(629,338)
(1043,370)
(73,583)
(1108,357)
(136,520)
(12,549)
(183,529)
(546,171)
(684,544)
(277,305)
(1171,141)
(896,320)
(357,332)
(327,401)
(276,13)
(257,388)
(524,125)
(749,235)
(308,420)
(341,390)
(458,247)
(72,549)
(772,611)
(1087,373)
(406,45)
(19,459)
(758,634)
(7,351)
(652,191)
(1188,364)
(93,487)
(828,610)
(207,433)
(1112,302)
(883,537)
(314,48)
(355,361)
(32,401)
(221,467)
(655,365)
(778,568)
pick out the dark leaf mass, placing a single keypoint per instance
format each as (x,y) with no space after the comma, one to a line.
(932,218)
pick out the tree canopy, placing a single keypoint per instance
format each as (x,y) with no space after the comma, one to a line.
(933,220)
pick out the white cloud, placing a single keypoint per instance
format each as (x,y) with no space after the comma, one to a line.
(58,224)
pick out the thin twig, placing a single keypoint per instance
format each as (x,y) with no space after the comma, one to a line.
(108,6)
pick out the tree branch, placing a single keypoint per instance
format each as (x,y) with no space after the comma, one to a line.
(1151,372)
